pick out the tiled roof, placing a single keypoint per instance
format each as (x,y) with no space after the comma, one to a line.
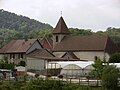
(41,52)
(61,27)
(55,58)
(86,43)
(17,46)
(47,43)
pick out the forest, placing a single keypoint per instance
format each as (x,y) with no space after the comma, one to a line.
(13,26)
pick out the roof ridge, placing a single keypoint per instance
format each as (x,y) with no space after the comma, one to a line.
(49,42)
(106,43)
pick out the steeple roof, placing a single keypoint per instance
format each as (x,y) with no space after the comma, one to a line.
(61,27)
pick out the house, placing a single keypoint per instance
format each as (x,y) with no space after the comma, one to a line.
(83,47)
(16,50)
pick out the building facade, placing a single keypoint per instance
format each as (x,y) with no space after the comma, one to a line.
(16,50)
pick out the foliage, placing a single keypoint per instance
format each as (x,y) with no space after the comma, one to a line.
(20,23)
(6,66)
(22,63)
(43,85)
(115,58)
(98,68)
(76,31)
(114,33)
(37,75)
(12,85)
(45,33)
(15,26)
(110,78)
(4,63)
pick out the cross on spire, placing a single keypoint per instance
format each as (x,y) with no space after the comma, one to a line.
(61,13)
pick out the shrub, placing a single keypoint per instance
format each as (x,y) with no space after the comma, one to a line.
(22,63)
(110,78)
(36,75)
(6,66)
(115,58)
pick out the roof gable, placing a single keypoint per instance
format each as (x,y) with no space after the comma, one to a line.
(61,27)
(69,55)
(47,43)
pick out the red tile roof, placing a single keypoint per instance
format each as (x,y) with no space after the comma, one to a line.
(86,43)
(47,43)
(17,46)
(61,27)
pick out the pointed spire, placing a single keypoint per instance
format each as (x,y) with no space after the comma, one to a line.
(61,27)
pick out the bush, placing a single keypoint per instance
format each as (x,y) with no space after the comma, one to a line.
(36,75)
(110,78)
(6,66)
(115,58)
(22,63)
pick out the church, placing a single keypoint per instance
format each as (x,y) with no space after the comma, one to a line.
(83,47)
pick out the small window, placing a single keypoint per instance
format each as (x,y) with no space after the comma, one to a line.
(20,56)
(12,56)
(56,38)
(96,57)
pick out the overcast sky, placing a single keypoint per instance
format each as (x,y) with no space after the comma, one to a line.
(90,14)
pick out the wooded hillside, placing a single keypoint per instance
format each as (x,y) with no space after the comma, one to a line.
(13,26)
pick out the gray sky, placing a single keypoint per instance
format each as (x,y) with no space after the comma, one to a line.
(90,14)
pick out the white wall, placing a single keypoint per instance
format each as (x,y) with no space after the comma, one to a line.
(1,56)
(36,64)
(90,55)
(59,54)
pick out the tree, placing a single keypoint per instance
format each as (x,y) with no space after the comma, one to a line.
(115,58)
(98,68)
(83,32)
(110,78)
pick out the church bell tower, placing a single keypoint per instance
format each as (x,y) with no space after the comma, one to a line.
(61,30)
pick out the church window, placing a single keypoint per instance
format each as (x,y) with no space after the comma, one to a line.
(56,38)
